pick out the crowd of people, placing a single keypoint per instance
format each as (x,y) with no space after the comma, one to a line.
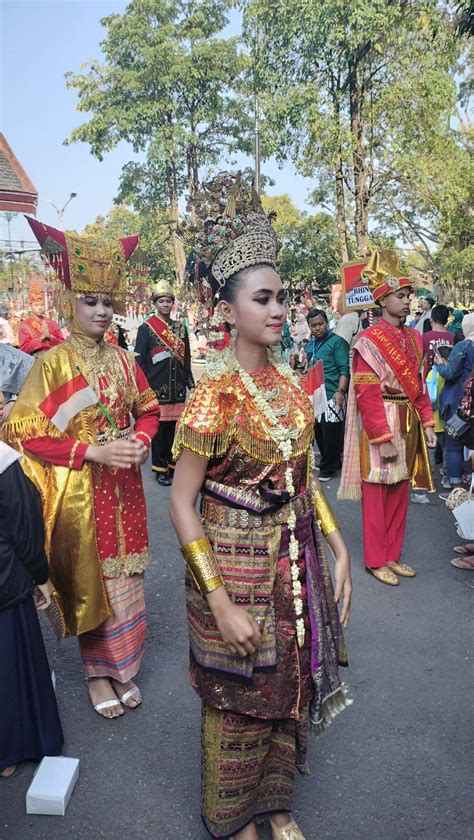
(265,617)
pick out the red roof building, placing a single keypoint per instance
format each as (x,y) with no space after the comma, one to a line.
(17,193)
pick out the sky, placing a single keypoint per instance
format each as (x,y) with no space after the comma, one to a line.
(40,41)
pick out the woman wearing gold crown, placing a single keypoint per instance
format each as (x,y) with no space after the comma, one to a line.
(265,637)
(397,422)
(72,421)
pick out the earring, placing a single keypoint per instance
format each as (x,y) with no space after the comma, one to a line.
(233,336)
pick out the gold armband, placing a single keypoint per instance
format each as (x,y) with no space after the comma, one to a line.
(327,521)
(203,565)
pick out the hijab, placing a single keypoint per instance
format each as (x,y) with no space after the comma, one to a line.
(468,326)
(456,324)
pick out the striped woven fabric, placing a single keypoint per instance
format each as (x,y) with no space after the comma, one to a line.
(115,648)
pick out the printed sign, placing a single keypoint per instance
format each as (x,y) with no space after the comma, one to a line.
(355,291)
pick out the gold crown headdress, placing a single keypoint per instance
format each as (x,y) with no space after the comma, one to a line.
(85,267)
(233,230)
(162,288)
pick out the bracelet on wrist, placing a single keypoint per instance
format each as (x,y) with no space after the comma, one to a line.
(203,565)
(322,510)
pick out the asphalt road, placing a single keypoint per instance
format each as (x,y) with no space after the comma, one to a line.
(397,765)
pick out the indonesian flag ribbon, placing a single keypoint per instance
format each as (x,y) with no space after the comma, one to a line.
(62,404)
(316,390)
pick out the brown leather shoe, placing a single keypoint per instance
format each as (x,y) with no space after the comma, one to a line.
(385,575)
(402,569)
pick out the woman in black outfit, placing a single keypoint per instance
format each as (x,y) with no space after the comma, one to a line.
(29,721)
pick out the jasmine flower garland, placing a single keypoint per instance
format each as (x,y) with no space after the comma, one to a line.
(224,362)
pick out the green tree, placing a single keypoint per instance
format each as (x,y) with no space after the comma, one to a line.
(309,257)
(120,221)
(164,87)
(344,87)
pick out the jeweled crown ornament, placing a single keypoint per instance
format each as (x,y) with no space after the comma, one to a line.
(233,231)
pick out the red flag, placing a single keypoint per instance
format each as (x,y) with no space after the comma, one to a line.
(315,388)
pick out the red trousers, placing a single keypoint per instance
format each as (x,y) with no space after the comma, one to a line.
(384,519)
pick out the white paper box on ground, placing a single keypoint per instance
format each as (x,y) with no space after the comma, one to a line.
(52,786)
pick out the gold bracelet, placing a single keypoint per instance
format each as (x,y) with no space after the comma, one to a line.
(203,565)
(327,521)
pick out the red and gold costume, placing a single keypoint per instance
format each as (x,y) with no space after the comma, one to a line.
(95,517)
(387,393)
(30,331)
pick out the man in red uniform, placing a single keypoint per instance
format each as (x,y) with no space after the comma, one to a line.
(38,333)
(397,422)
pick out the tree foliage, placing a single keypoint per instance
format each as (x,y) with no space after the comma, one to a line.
(155,231)
(347,87)
(164,87)
(309,257)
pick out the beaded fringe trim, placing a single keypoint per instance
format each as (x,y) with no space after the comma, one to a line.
(16,431)
(332,705)
(215,445)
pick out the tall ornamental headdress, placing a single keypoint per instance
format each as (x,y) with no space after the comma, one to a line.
(232,231)
(384,274)
(86,267)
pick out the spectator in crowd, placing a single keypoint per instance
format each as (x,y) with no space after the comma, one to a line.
(455,373)
(424,324)
(455,322)
(465,553)
(6,332)
(438,336)
(334,353)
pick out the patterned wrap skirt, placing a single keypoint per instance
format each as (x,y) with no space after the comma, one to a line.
(254,725)
(115,648)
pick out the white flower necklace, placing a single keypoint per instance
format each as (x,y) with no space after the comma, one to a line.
(283,438)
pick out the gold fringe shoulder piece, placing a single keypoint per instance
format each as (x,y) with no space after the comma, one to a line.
(215,445)
(15,431)
(220,412)
(202,443)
